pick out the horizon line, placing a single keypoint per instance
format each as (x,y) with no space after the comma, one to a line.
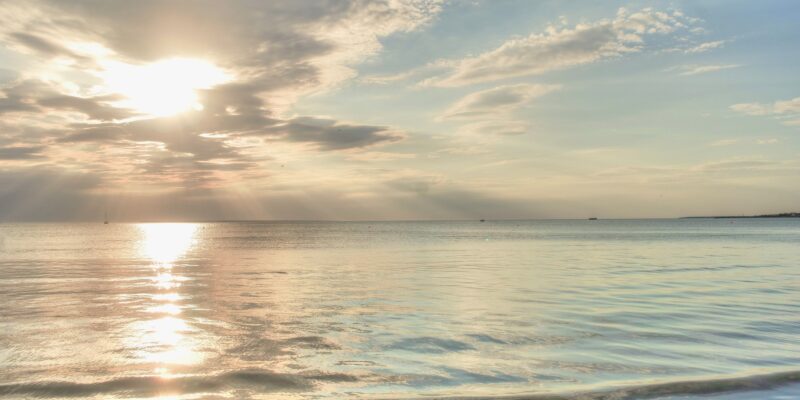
(211,221)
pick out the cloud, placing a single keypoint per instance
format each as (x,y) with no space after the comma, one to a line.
(280,49)
(34,96)
(387,79)
(380,156)
(688,70)
(501,99)
(428,69)
(66,113)
(787,106)
(563,47)
(496,126)
(786,110)
(96,108)
(752,108)
(18,97)
(314,42)
(723,142)
(94,133)
(69,148)
(21,152)
(329,134)
(491,111)
(703,47)
(43,46)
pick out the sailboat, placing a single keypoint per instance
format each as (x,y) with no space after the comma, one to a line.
(105,219)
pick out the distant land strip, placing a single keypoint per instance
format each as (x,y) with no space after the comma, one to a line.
(781,215)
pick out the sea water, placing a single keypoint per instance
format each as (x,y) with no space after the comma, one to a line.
(674,309)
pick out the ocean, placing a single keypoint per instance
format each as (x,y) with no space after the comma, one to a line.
(550,309)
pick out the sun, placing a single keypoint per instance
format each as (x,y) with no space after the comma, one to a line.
(162,88)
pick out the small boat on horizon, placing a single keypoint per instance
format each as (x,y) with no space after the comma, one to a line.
(592,218)
(105,219)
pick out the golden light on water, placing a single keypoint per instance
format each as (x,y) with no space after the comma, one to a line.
(162,88)
(167,297)
(165,280)
(171,309)
(166,339)
(165,243)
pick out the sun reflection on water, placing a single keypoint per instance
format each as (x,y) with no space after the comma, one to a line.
(171,309)
(167,339)
(166,243)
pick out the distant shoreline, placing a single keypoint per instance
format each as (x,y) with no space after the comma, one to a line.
(781,215)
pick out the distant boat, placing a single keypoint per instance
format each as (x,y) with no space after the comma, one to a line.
(105,219)
(483,220)
(593,219)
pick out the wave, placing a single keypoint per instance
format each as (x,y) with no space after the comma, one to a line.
(264,381)
(651,391)
(256,380)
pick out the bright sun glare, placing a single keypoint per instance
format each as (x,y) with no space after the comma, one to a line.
(165,243)
(164,87)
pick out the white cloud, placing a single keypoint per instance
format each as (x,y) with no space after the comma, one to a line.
(562,47)
(787,106)
(786,110)
(688,70)
(501,99)
(496,127)
(431,68)
(723,142)
(752,108)
(491,111)
(703,47)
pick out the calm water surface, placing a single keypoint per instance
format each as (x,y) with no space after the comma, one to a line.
(632,309)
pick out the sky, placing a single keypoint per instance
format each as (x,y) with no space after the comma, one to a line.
(393,110)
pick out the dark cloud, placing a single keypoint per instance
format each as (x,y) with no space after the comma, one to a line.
(330,135)
(94,107)
(37,96)
(93,133)
(20,97)
(16,104)
(21,152)
(43,46)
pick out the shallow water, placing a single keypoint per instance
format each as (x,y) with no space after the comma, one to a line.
(401,309)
